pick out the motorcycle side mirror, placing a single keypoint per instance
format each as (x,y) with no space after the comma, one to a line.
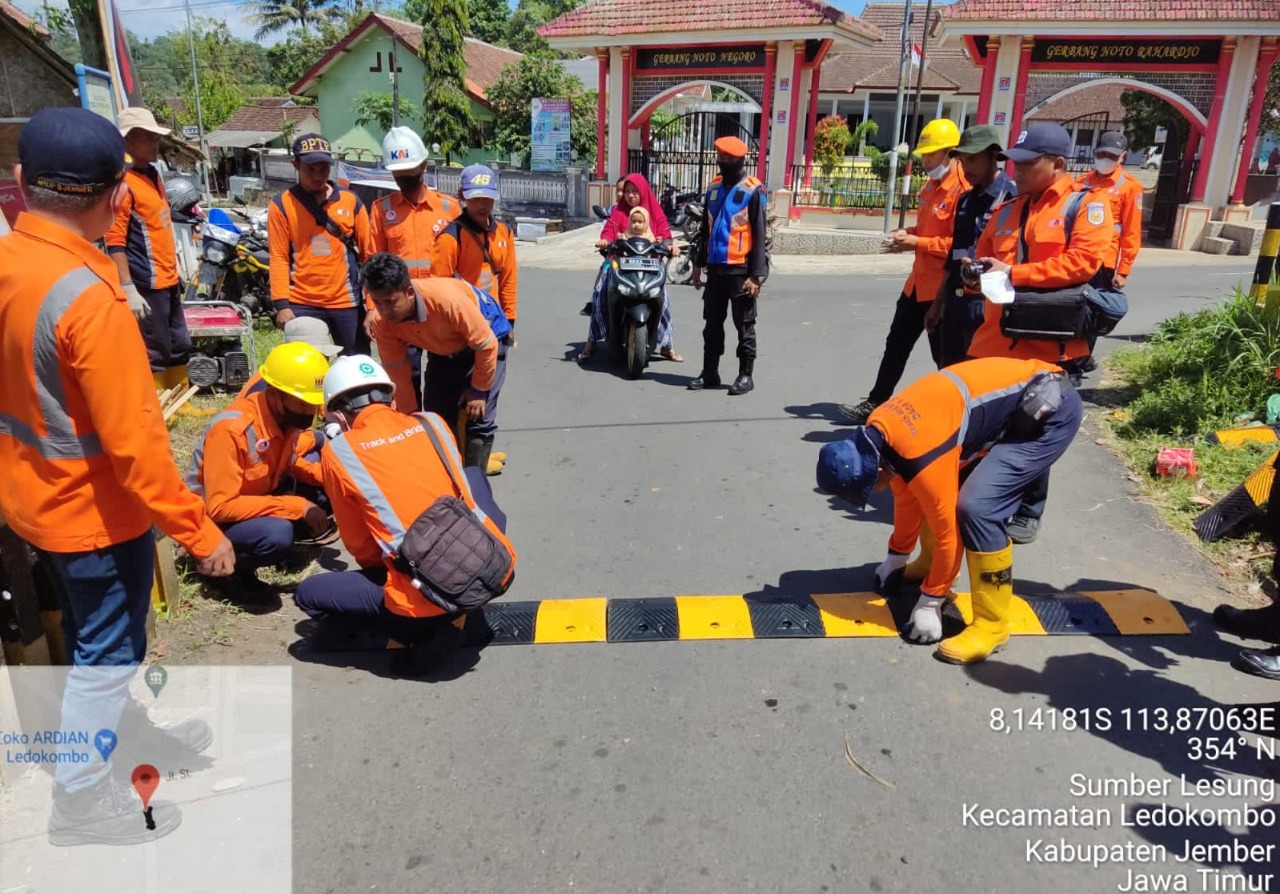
(599,212)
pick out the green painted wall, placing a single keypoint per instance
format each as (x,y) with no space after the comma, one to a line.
(349,77)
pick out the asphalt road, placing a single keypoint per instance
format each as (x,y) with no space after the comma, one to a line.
(719,767)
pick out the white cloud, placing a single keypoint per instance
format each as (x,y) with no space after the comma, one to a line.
(153,18)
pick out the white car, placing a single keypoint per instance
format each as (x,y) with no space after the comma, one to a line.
(1153,157)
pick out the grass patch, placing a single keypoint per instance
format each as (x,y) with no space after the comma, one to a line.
(1199,372)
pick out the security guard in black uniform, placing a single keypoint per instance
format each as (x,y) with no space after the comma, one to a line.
(958,310)
(734,255)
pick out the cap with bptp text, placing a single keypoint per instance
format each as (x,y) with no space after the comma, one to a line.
(1112,141)
(311,148)
(1039,139)
(72,151)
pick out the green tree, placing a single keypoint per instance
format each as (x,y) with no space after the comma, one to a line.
(446,107)
(830,140)
(1143,113)
(511,95)
(489,19)
(291,58)
(376,108)
(863,132)
(1271,102)
(220,98)
(274,16)
(529,15)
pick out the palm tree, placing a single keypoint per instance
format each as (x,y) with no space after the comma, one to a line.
(281,15)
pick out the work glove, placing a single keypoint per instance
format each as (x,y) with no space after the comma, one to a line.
(138,305)
(889,572)
(925,625)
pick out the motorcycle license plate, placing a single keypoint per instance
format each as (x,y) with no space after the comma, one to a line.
(639,264)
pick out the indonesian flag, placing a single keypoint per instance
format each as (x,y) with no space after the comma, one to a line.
(124,76)
(917,57)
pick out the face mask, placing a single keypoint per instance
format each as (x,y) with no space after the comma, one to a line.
(1106,165)
(939,172)
(299,421)
(408,184)
(732,170)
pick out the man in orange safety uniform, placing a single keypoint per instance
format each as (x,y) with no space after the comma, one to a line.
(256,479)
(930,240)
(87,465)
(443,317)
(1007,421)
(382,469)
(408,223)
(1027,239)
(317,236)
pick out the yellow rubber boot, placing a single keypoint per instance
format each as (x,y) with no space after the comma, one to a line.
(177,375)
(991,580)
(918,568)
(499,456)
(495,465)
(161,380)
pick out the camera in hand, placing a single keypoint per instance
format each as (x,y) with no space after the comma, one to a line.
(971,271)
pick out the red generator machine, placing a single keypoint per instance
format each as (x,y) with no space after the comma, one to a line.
(222,352)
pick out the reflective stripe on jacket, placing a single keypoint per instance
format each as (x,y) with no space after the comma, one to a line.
(731,238)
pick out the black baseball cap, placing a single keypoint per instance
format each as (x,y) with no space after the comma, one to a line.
(1112,141)
(311,148)
(72,151)
(1037,140)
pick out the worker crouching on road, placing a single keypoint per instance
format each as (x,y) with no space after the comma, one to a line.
(1023,414)
(382,469)
(251,468)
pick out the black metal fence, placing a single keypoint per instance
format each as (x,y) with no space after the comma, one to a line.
(858,189)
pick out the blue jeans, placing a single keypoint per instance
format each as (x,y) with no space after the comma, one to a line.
(260,541)
(356,598)
(104,595)
(994,490)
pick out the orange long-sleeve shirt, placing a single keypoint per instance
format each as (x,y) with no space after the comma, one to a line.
(446,321)
(308,264)
(935,226)
(410,230)
(931,428)
(460,252)
(241,458)
(84,451)
(1125,193)
(1050,262)
(143,231)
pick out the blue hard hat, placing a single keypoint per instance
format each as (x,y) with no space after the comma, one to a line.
(72,151)
(848,469)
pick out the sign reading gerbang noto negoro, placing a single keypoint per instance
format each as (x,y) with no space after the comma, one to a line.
(689,58)
(1127,52)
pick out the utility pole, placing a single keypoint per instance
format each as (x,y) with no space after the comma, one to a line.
(915,111)
(897,118)
(195,83)
(395,88)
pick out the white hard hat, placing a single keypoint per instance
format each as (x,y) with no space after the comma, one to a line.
(402,149)
(314,332)
(353,373)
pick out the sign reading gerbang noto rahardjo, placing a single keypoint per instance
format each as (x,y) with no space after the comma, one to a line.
(727,57)
(1147,52)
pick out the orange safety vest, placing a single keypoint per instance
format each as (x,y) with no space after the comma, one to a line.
(935,227)
(380,476)
(84,450)
(931,428)
(410,230)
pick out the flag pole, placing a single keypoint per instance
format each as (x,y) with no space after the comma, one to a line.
(915,110)
(897,118)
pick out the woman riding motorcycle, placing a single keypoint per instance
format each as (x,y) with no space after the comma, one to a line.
(635,194)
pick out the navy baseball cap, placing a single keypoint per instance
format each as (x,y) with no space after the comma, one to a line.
(72,151)
(311,148)
(1112,141)
(1039,139)
(479,181)
(848,469)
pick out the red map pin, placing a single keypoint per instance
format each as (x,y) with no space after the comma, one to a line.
(145,780)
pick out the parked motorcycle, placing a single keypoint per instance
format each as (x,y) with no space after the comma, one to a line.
(673,205)
(234,265)
(637,279)
(680,267)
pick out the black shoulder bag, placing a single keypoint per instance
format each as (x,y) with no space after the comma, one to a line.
(348,240)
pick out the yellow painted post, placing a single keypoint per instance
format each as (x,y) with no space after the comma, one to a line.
(1262,291)
(164,588)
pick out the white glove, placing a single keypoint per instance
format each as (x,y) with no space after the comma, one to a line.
(925,625)
(892,563)
(137,304)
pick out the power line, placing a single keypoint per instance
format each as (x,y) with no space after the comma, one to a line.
(205,5)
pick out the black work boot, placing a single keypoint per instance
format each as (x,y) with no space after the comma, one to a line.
(1258,663)
(108,812)
(421,658)
(1250,623)
(710,375)
(743,384)
(137,733)
(478,450)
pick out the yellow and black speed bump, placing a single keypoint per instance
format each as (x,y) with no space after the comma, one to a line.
(830,615)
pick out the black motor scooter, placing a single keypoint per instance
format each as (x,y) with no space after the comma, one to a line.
(637,279)
(680,268)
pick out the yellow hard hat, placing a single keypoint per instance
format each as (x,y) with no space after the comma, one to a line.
(296,368)
(940,133)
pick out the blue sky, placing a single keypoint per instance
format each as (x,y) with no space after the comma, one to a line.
(151,18)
